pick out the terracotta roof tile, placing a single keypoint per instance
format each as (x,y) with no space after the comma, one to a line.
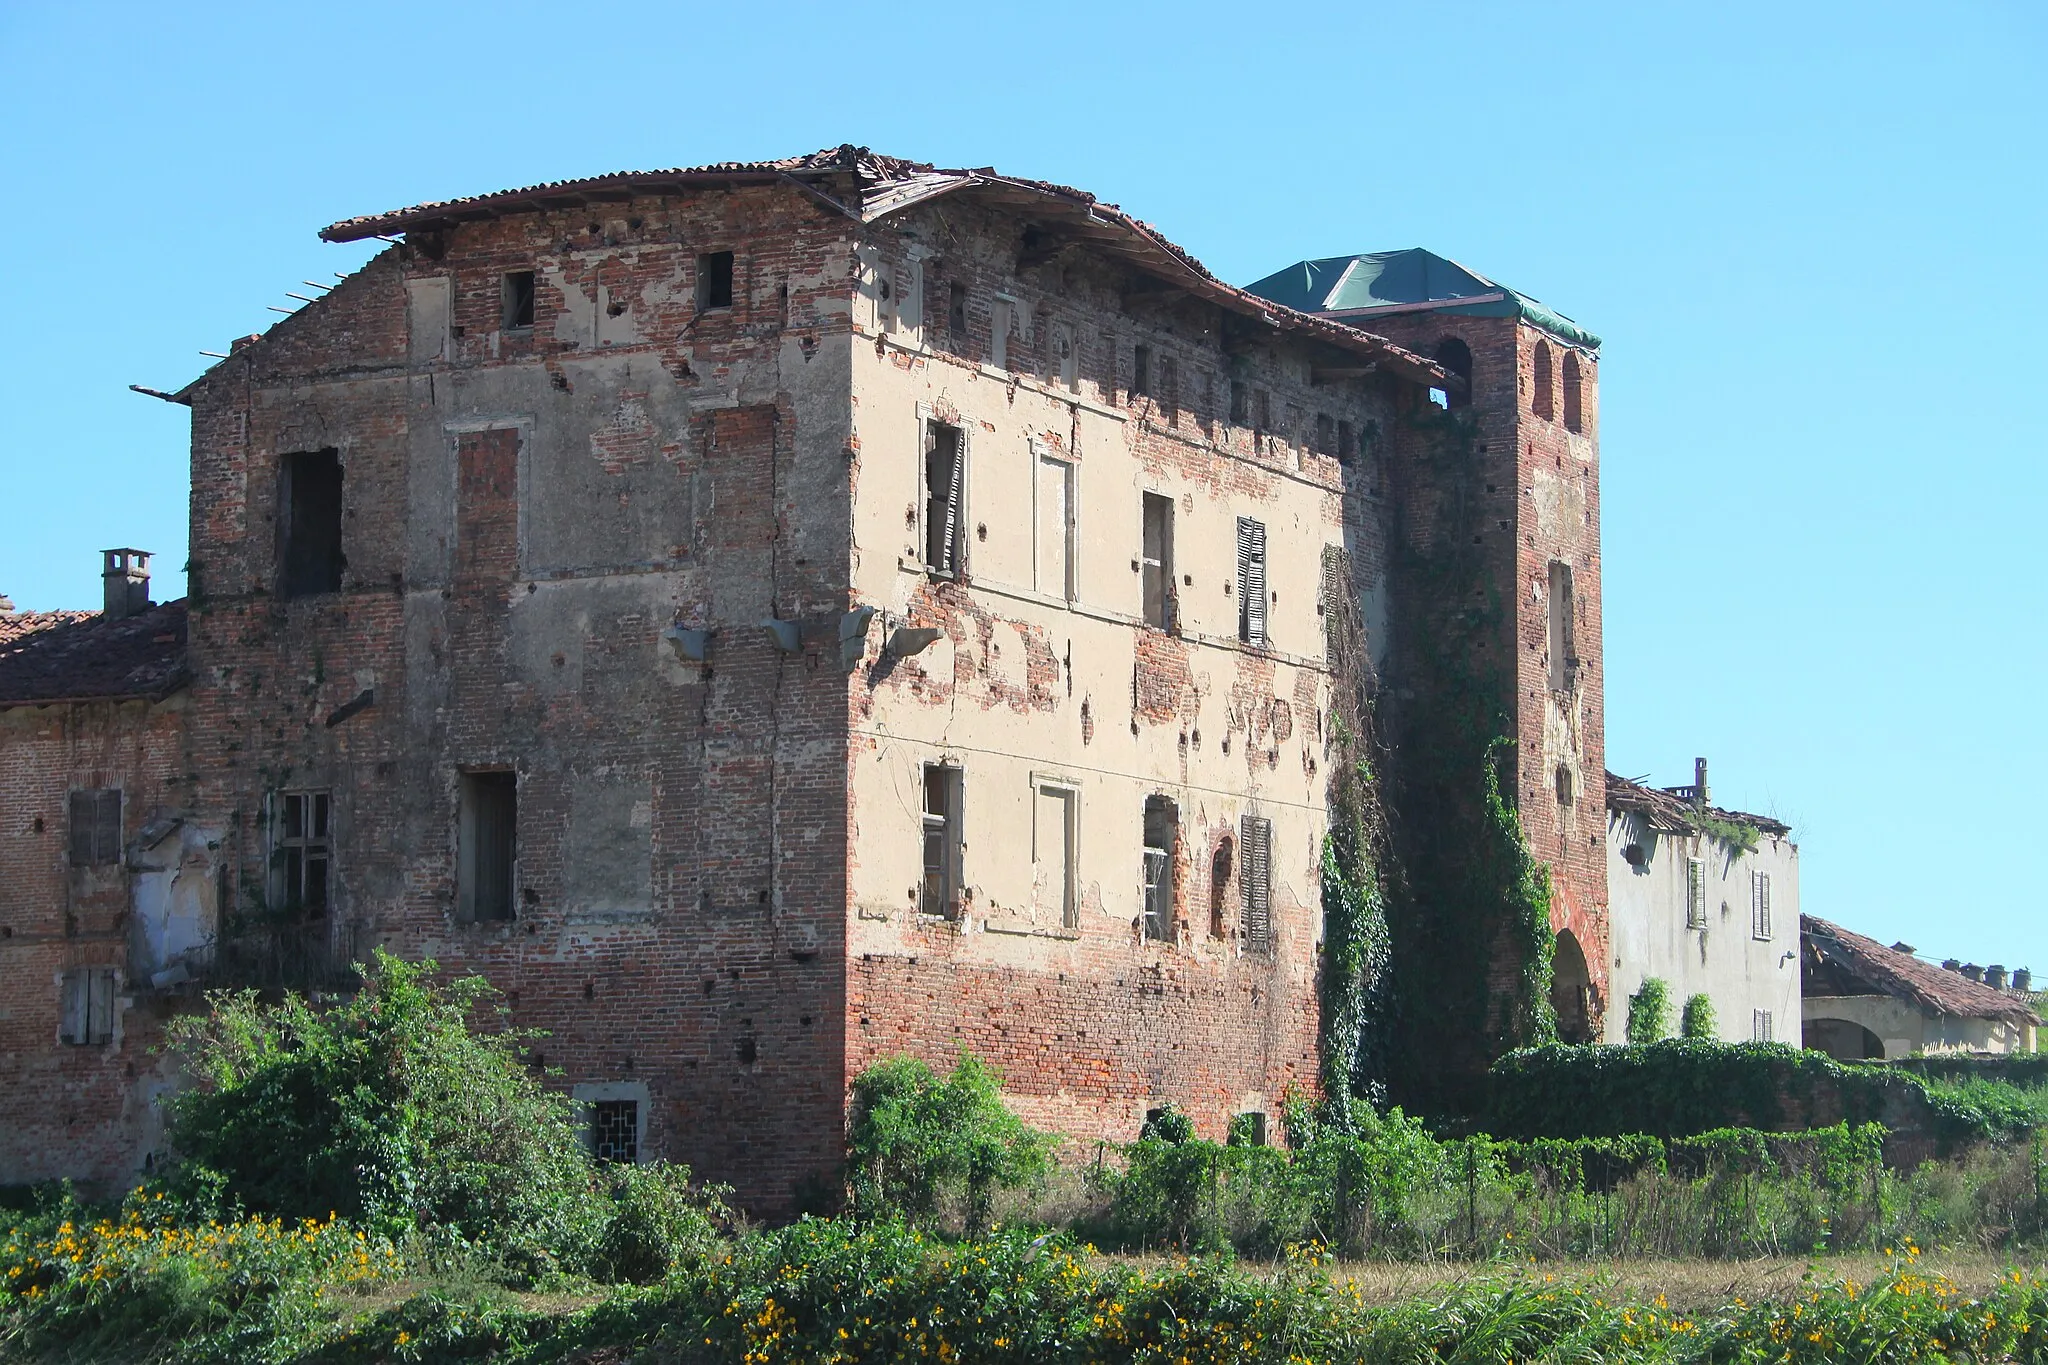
(1668,812)
(60,656)
(1901,974)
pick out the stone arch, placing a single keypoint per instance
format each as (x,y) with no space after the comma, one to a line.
(1543,402)
(1845,1040)
(1571,990)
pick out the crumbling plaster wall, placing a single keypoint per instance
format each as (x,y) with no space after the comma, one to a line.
(79,1111)
(526,512)
(1906,1030)
(1722,959)
(1092,1024)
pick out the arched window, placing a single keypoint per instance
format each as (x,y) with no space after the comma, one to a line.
(1541,402)
(1455,356)
(1220,864)
(1572,417)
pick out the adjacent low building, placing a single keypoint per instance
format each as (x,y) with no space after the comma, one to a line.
(1864,1000)
(1705,899)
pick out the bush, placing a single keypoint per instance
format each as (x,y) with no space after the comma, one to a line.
(915,1141)
(657,1223)
(1697,1018)
(1649,1012)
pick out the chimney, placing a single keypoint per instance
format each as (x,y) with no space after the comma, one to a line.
(1974,972)
(2022,980)
(126,580)
(1994,976)
(1952,964)
(1699,781)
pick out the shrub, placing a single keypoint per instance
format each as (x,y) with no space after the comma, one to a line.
(657,1223)
(1649,1012)
(914,1141)
(1697,1018)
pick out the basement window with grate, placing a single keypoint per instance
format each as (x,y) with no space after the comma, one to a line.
(615,1130)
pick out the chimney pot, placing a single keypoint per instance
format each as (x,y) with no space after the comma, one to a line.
(124,576)
(2022,979)
(1973,971)
(1952,964)
(1994,976)
(1699,781)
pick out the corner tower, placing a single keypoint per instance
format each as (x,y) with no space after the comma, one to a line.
(1493,600)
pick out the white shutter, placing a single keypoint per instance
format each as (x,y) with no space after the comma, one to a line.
(1251,581)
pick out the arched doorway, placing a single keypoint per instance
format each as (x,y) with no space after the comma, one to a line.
(1842,1039)
(1571,990)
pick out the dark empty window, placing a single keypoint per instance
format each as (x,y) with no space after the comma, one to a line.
(1162,824)
(1347,442)
(490,844)
(1251,581)
(86,1003)
(1221,865)
(96,827)
(1574,416)
(1248,1130)
(1455,356)
(309,498)
(1543,402)
(714,280)
(302,851)
(956,313)
(1158,561)
(940,893)
(1326,434)
(518,300)
(615,1130)
(945,474)
(1141,370)
(1240,402)
(1256,882)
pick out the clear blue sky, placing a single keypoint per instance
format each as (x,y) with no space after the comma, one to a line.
(1804,231)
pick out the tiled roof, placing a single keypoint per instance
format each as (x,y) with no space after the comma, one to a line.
(883,185)
(1902,975)
(1672,813)
(60,656)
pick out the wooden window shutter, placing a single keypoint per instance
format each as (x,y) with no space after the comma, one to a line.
(953,492)
(95,827)
(71,1029)
(1256,880)
(1251,581)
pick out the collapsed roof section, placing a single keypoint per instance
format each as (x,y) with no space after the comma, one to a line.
(1375,283)
(1851,960)
(868,187)
(1673,814)
(49,657)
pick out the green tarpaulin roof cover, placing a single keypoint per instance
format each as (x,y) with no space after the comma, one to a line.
(1403,279)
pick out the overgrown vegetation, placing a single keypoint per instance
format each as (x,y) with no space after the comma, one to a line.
(1649,1012)
(1697,1019)
(917,1144)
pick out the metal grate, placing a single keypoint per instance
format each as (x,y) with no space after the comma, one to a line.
(615,1130)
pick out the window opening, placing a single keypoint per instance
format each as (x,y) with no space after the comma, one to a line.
(1264,423)
(1326,434)
(86,999)
(1564,785)
(490,844)
(1053,835)
(1455,356)
(1574,414)
(309,497)
(1160,598)
(1240,403)
(1760,905)
(1169,389)
(1248,1129)
(1542,402)
(714,280)
(1347,442)
(96,827)
(1053,560)
(1564,663)
(956,314)
(940,894)
(517,300)
(1068,353)
(615,1130)
(1256,833)
(1251,581)
(1001,313)
(302,852)
(945,461)
(1221,864)
(1695,893)
(1162,824)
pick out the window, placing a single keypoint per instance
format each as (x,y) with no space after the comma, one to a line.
(86,1001)
(1564,663)
(1256,833)
(1248,1130)
(1157,562)
(1240,402)
(1141,370)
(615,1130)
(309,503)
(1221,864)
(490,845)
(1052,558)
(1695,893)
(956,314)
(517,300)
(1574,415)
(96,827)
(1760,905)
(1067,352)
(1002,317)
(1054,827)
(1455,356)
(945,472)
(1542,403)
(1162,825)
(1760,1026)
(1335,600)
(714,281)
(1169,389)
(940,894)
(1347,442)
(1251,581)
(301,854)
(1564,785)
(1326,434)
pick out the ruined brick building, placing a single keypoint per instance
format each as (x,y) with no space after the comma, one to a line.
(770,616)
